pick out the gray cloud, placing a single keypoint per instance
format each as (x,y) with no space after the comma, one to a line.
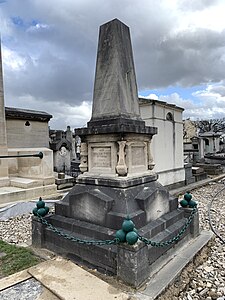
(219,89)
(193,5)
(58,42)
(187,58)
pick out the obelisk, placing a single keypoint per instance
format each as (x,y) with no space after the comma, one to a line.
(4,179)
(115,88)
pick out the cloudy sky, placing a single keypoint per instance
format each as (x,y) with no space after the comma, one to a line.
(49,54)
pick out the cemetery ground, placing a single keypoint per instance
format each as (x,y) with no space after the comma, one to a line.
(14,259)
(203,278)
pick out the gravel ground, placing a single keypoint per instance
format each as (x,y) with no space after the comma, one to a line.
(204,278)
(207,281)
(19,291)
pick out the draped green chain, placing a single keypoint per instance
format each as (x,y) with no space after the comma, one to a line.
(116,240)
(174,239)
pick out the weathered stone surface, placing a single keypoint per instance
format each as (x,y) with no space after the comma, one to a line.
(108,206)
(115,89)
(68,281)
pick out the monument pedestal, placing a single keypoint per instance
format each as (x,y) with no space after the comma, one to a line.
(133,264)
(108,201)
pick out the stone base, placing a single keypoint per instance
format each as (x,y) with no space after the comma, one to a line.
(116,125)
(211,168)
(173,263)
(9,194)
(172,178)
(201,176)
(107,202)
(4,181)
(24,183)
(95,208)
(132,264)
(66,182)
(190,180)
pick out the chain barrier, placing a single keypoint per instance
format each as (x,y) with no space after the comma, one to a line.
(118,240)
(172,240)
(76,239)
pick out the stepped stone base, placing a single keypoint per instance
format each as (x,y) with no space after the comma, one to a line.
(96,212)
(107,202)
(132,264)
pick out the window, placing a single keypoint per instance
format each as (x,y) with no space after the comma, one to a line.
(169,116)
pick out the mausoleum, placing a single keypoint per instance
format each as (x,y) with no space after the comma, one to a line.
(23,136)
(167,145)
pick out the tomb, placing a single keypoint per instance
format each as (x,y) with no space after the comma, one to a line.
(24,132)
(117,180)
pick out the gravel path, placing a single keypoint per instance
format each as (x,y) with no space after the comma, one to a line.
(207,281)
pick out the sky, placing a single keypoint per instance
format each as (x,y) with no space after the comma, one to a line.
(49,54)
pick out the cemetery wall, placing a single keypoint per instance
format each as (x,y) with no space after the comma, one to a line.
(27,129)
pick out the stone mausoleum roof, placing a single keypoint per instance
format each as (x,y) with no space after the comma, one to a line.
(27,114)
(159,102)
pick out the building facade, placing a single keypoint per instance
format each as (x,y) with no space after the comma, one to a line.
(167,145)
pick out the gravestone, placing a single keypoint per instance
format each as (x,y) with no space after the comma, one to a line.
(117,177)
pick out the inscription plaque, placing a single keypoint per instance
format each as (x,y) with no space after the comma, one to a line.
(101,157)
(138,156)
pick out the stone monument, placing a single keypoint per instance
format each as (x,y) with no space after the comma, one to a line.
(117,177)
(4,177)
(22,134)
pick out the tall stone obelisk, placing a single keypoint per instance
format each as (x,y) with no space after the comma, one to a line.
(115,88)
(4,179)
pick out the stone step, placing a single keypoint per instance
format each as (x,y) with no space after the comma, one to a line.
(167,234)
(102,257)
(159,225)
(13,194)
(81,227)
(25,183)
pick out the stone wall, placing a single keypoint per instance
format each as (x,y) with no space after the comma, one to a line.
(27,134)
(167,145)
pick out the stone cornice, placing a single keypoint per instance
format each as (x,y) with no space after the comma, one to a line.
(26,114)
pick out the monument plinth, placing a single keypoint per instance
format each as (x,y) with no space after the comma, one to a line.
(117,177)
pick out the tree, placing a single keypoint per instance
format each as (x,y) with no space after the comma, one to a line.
(213,125)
